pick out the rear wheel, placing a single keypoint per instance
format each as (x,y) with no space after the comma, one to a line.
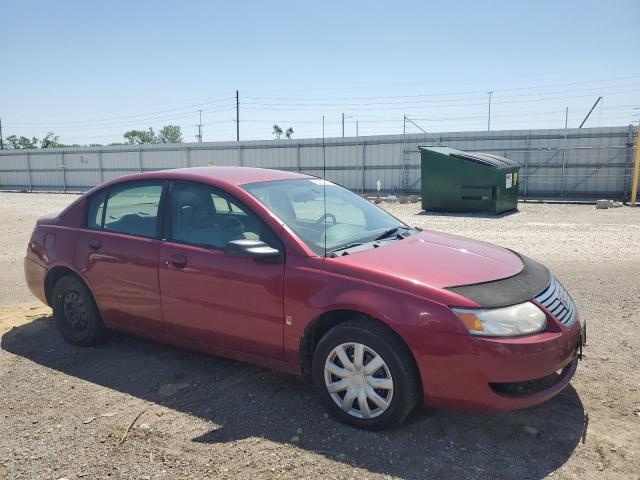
(75,313)
(365,375)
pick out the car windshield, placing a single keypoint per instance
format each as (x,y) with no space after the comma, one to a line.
(345,219)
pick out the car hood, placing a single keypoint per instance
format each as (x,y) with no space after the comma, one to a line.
(438,260)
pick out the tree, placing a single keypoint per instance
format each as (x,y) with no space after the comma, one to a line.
(22,142)
(170,134)
(277,131)
(137,137)
(51,141)
(289,133)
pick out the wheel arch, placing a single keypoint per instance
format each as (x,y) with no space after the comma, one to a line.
(55,274)
(325,322)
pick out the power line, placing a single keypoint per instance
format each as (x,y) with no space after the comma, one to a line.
(468,92)
(423,83)
(435,101)
(413,106)
(120,124)
(108,119)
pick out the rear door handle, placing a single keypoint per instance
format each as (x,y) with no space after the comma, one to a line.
(178,261)
(95,244)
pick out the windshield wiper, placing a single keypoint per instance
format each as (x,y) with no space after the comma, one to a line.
(344,247)
(391,232)
(385,234)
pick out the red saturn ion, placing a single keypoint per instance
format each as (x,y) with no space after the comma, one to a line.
(301,275)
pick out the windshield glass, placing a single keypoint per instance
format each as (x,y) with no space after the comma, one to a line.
(300,203)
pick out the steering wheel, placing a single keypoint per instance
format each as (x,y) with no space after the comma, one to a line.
(327,216)
(233,227)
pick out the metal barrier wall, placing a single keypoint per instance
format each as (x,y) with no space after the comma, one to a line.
(573,163)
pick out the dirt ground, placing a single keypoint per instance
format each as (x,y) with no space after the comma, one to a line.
(66,411)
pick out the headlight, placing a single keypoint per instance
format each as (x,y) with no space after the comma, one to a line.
(521,319)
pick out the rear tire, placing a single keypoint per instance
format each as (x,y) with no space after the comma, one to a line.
(76,314)
(365,375)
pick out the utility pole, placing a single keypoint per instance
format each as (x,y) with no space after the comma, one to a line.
(343,125)
(199,135)
(323,129)
(1,141)
(636,171)
(564,150)
(356,128)
(237,116)
(489,117)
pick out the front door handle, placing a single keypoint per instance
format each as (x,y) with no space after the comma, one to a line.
(178,261)
(95,244)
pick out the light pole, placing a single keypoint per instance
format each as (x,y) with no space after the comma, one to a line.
(489,117)
(344,117)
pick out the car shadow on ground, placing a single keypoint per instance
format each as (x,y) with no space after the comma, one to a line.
(246,401)
(491,216)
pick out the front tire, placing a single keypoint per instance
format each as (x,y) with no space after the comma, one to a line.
(75,313)
(365,375)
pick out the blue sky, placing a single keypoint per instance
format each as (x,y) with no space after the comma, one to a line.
(91,70)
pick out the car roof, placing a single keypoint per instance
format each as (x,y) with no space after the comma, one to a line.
(228,175)
(238,175)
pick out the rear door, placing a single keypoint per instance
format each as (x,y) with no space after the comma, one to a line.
(208,297)
(118,255)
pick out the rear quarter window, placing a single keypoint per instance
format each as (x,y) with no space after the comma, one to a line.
(95,211)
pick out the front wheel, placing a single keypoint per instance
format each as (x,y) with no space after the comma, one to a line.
(365,375)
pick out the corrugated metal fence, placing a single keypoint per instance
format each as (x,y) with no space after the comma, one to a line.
(573,163)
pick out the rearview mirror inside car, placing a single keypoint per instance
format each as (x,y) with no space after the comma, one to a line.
(304,196)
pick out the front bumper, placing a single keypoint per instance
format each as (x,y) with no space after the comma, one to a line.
(464,371)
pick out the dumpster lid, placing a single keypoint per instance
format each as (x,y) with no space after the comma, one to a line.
(484,158)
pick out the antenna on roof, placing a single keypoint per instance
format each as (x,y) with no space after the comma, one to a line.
(324,188)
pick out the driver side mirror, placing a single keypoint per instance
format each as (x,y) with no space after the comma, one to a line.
(256,249)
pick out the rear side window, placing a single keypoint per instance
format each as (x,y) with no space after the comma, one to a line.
(130,209)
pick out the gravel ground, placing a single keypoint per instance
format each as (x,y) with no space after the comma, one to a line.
(65,410)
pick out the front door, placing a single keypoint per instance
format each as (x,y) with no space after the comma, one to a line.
(118,255)
(208,297)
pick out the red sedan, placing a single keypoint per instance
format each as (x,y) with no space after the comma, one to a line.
(299,274)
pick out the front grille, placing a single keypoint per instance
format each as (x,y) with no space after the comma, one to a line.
(558,302)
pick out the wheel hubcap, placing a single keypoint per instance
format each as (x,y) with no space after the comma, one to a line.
(74,310)
(358,380)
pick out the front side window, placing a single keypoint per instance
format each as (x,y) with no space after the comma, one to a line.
(205,216)
(340,219)
(129,208)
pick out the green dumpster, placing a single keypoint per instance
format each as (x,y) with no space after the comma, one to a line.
(457,181)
